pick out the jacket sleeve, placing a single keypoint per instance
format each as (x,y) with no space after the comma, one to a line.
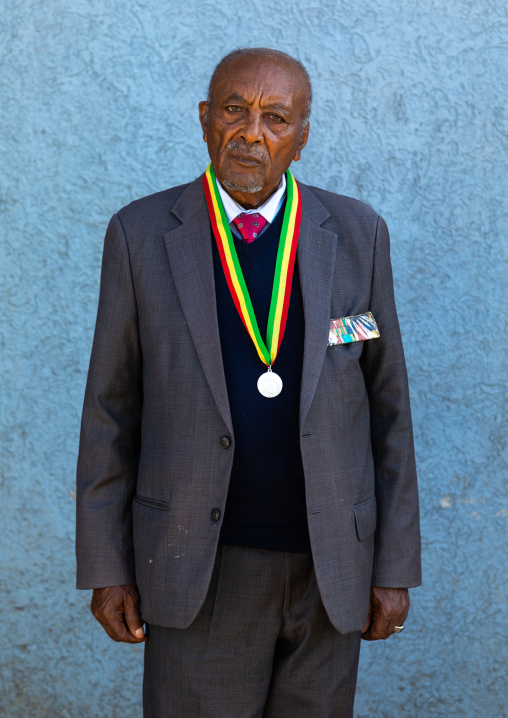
(111,427)
(397,560)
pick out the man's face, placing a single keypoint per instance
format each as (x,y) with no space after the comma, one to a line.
(254,125)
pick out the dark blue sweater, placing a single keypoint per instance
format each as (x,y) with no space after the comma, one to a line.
(266,501)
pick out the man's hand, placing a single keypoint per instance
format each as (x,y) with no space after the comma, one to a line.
(116,609)
(388,608)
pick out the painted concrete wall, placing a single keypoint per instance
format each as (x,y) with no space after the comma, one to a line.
(97,107)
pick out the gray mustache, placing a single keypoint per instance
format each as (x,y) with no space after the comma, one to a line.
(253,150)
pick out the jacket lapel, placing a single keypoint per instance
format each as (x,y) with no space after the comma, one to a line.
(316,263)
(190,254)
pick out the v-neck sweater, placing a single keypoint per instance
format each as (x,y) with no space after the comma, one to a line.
(265,506)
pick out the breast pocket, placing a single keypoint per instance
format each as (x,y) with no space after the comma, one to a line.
(353,350)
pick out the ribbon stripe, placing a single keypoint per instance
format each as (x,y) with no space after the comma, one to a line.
(283,277)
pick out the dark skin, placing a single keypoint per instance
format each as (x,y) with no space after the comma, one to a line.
(388,608)
(258,104)
(116,609)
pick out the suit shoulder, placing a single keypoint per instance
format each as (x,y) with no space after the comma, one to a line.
(340,205)
(154,205)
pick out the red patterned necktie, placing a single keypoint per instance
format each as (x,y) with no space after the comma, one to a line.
(249,225)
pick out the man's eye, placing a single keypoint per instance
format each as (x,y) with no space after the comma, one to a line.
(233,108)
(276,118)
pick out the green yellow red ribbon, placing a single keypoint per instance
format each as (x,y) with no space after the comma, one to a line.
(284,266)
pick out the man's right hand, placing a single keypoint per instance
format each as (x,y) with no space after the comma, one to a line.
(116,609)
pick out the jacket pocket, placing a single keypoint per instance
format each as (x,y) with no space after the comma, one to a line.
(352,349)
(365,518)
(151,503)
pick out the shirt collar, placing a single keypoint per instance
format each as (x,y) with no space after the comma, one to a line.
(268,210)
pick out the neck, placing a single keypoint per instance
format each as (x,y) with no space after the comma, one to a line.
(252,200)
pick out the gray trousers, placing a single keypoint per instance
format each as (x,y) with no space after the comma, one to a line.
(262,646)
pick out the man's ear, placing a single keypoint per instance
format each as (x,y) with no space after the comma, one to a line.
(303,142)
(203,117)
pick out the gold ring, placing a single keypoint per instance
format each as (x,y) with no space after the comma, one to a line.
(398,629)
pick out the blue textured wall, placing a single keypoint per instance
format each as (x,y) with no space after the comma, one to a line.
(97,107)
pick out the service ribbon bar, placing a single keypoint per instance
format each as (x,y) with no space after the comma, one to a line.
(285,263)
(356,328)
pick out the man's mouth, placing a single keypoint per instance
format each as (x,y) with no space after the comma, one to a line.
(245,159)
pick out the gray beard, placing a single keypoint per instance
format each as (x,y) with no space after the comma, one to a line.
(250,188)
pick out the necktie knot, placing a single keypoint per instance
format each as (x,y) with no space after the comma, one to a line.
(249,225)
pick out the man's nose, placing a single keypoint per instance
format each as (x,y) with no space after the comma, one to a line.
(251,130)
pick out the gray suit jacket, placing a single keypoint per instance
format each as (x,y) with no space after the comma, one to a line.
(151,466)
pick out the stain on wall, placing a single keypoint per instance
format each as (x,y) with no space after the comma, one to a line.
(98,107)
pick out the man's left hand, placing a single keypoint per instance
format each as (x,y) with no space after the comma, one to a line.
(388,608)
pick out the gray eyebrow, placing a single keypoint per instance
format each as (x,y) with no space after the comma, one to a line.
(271,106)
(239,98)
(279,106)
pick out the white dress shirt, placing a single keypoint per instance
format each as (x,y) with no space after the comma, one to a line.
(268,210)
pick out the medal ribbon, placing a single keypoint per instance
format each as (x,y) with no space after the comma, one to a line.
(284,266)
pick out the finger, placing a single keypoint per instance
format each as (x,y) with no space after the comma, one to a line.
(398,620)
(111,618)
(369,619)
(118,631)
(379,629)
(133,620)
(115,626)
(108,610)
(402,617)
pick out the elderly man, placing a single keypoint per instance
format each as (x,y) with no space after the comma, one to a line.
(246,476)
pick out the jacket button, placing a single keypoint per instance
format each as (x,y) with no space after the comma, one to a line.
(215,514)
(225,442)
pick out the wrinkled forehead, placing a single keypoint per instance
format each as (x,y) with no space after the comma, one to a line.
(259,77)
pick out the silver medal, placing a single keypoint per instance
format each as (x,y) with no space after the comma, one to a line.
(269,384)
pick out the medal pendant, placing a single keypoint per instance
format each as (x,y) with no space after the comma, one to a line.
(269,384)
